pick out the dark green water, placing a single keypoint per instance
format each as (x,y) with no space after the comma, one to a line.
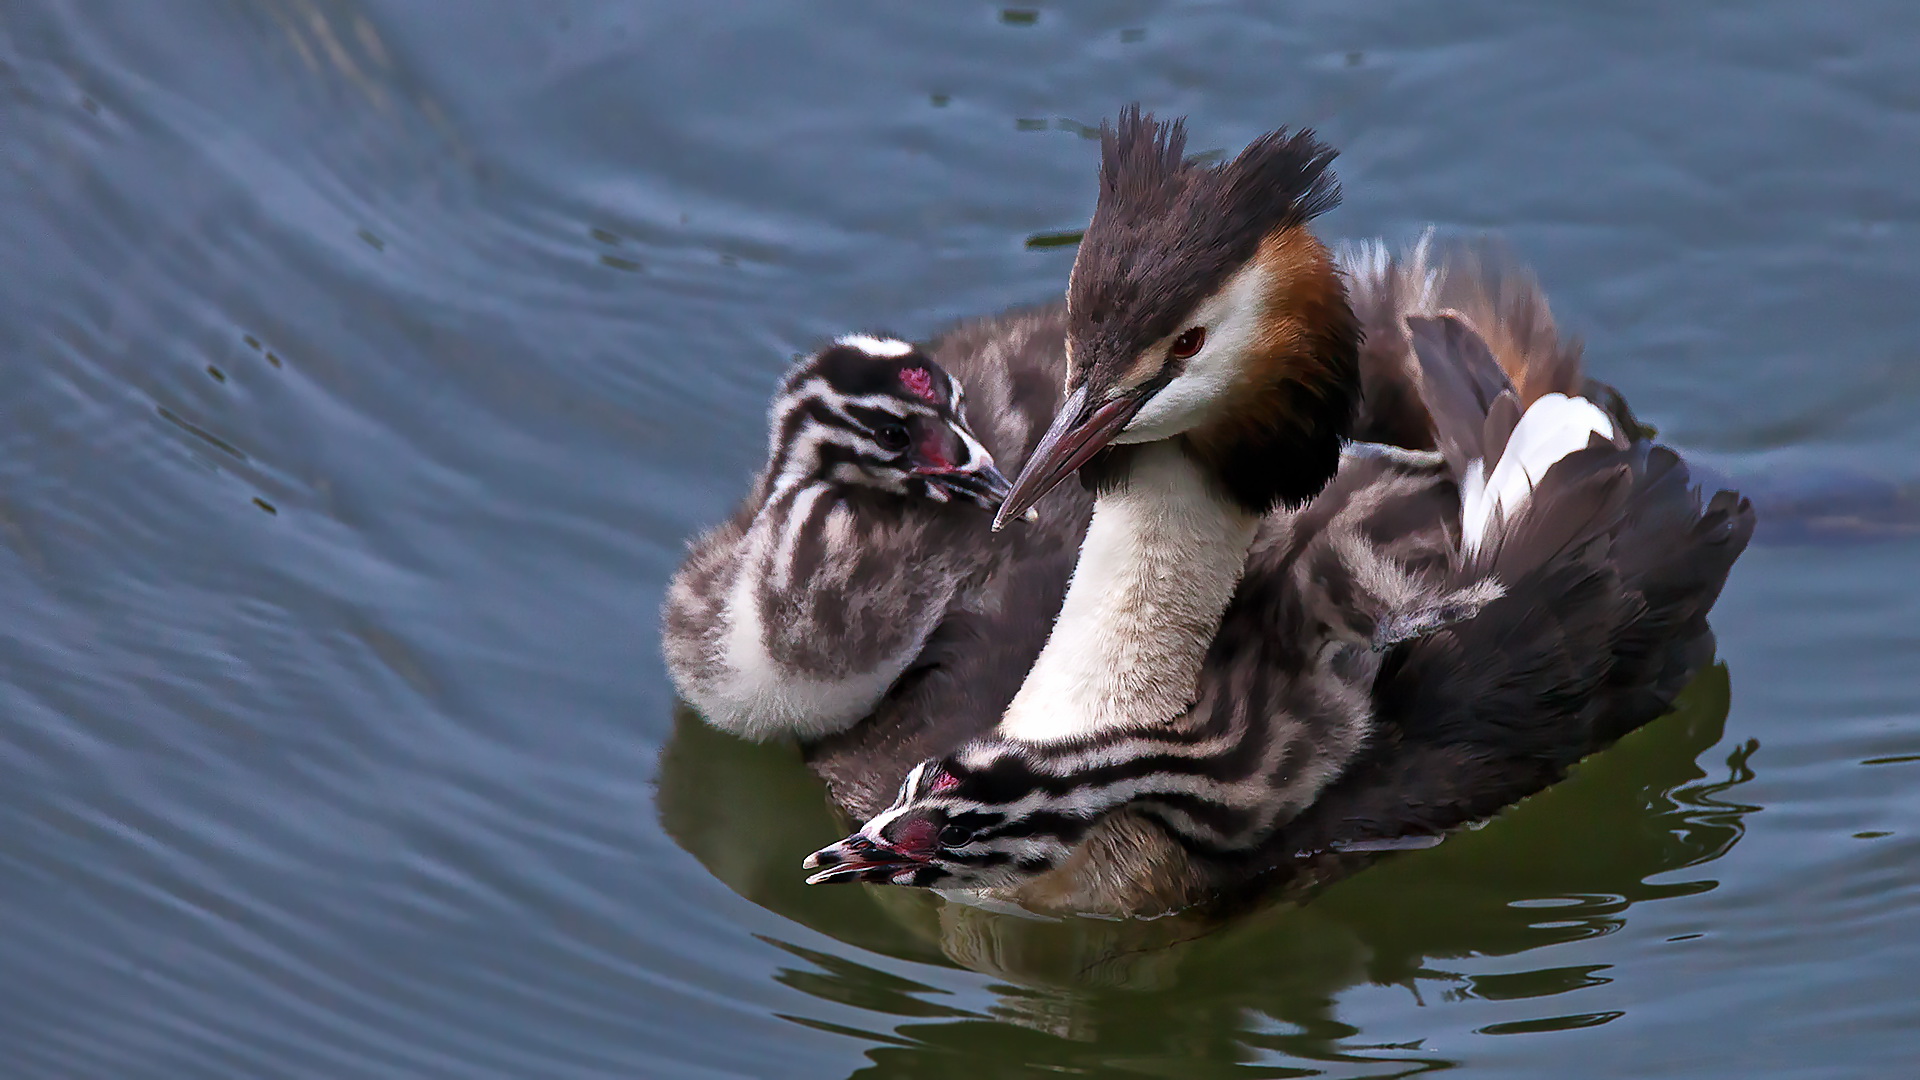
(367,363)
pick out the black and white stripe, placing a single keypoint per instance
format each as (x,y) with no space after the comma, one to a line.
(795,617)
(1444,629)
(1271,728)
(845,416)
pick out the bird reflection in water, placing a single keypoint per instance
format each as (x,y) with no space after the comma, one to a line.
(1254,978)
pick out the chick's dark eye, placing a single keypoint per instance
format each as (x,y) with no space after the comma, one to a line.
(954,836)
(891,436)
(1188,343)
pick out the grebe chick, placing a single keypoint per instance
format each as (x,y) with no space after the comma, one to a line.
(796,616)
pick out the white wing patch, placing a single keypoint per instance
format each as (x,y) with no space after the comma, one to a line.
(1554,426)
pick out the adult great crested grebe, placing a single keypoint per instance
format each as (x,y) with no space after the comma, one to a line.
(1271,644)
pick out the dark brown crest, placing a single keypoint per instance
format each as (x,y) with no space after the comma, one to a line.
(1167,232)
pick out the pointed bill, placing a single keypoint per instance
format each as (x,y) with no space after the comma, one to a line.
(1079,431)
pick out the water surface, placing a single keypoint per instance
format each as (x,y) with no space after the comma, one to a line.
(368,363)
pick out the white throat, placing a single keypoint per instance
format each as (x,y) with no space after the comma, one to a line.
(1162,558)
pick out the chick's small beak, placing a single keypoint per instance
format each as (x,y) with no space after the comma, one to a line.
(857,858)
(981,482)
(976,478)
(992,483)
(1079,431)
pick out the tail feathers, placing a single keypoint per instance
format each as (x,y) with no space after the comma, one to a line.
(1524,676)
(1384,289)
(1501,300)
(1666,519)
(1582,498)
(1459,382)
(1659,560)
(1483,285)
(1674,557)
(1606,559)
(1577,653)
(1609,560)
(1500,452)
(1497,493)
(1641,498)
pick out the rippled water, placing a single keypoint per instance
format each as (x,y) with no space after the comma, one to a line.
(368,362)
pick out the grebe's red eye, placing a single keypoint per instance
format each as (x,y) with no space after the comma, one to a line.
(1188,343)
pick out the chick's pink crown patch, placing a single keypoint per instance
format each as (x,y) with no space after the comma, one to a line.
(919,383)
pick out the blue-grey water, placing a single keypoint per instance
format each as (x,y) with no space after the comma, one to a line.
(367,363)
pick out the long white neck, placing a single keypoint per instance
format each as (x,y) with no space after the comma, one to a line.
(1162,558)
